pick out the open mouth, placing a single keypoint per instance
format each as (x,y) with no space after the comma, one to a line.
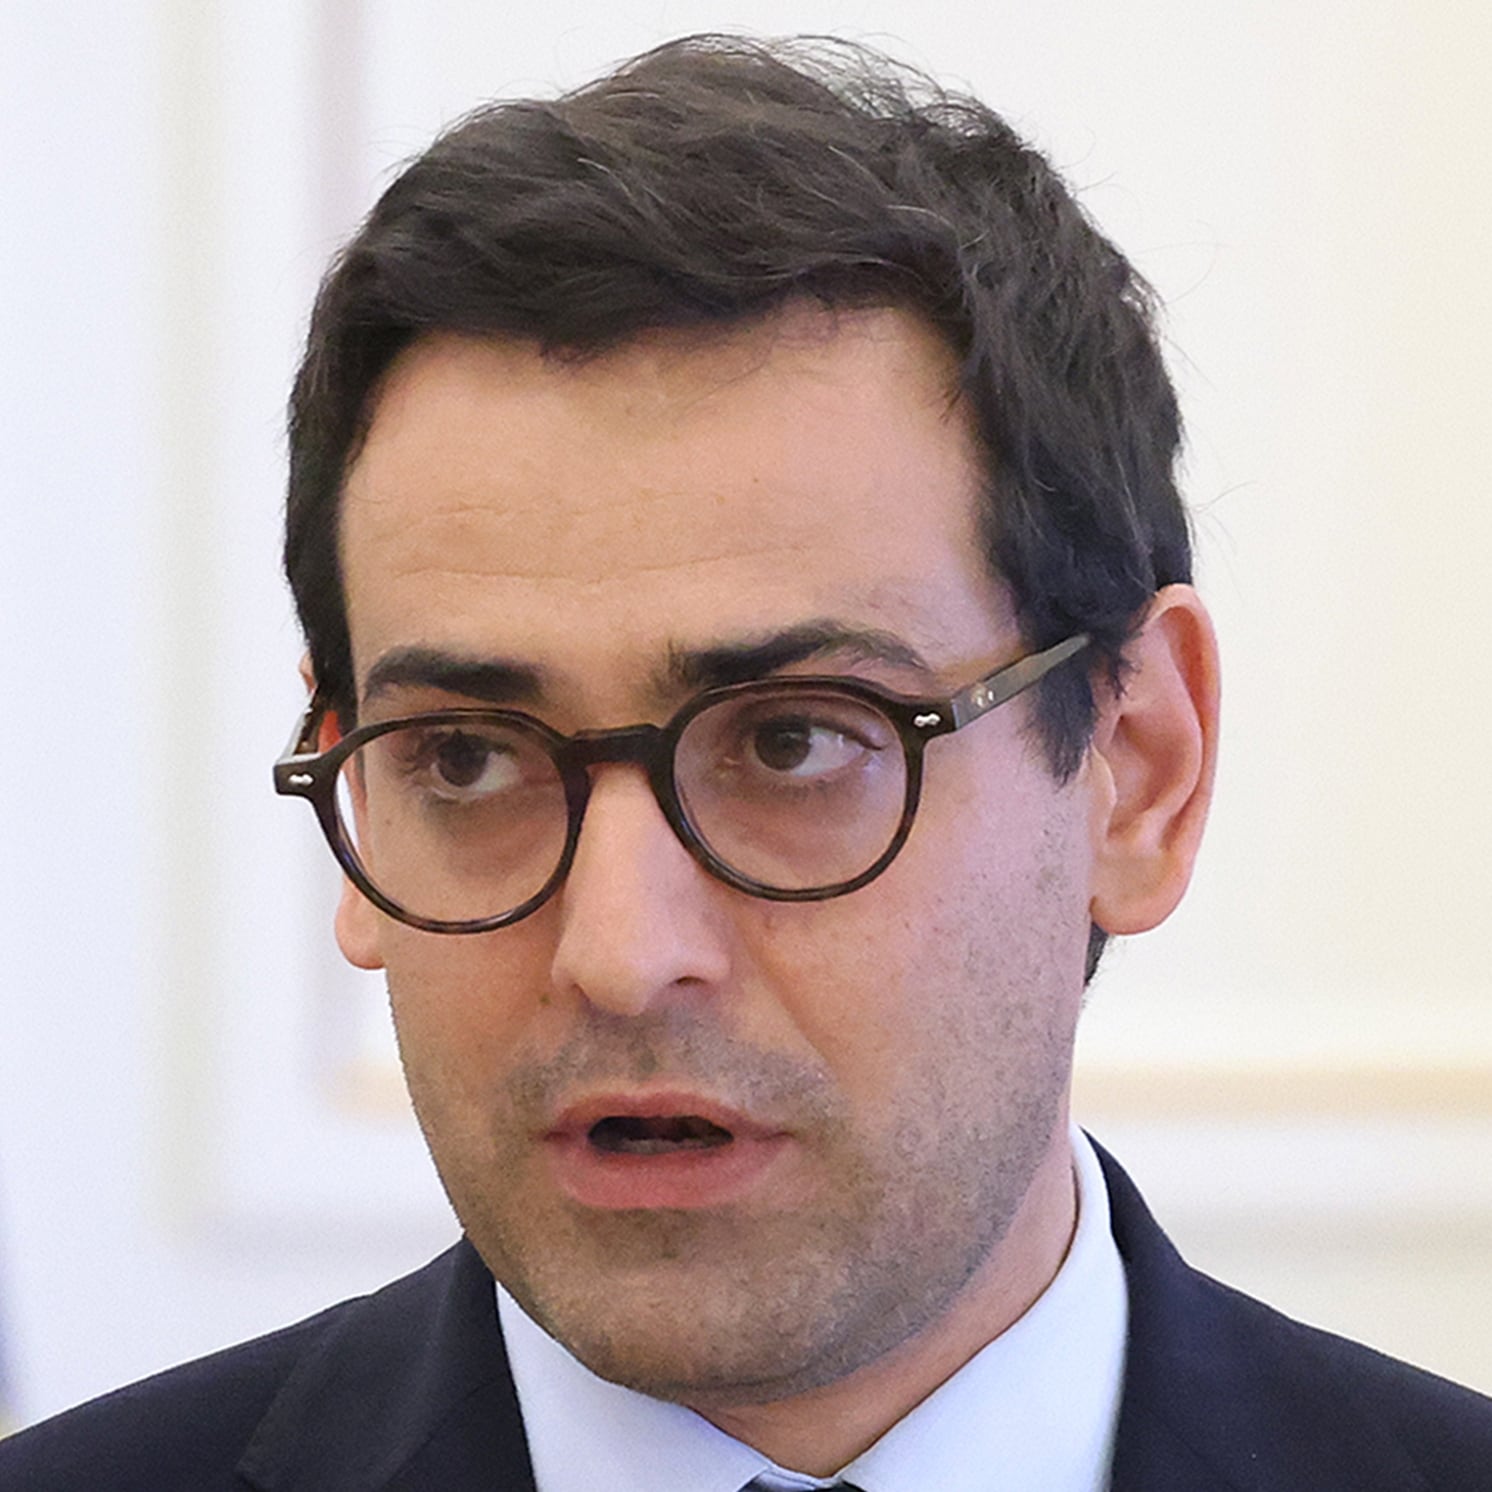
(633,1134)
(630,1152)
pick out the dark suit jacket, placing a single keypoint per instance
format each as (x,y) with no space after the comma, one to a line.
(408,1390)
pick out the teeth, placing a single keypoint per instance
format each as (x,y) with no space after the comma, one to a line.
(629,1134)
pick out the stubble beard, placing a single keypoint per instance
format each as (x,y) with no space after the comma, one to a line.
(744,1304)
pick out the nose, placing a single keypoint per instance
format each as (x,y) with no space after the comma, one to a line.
(641,922)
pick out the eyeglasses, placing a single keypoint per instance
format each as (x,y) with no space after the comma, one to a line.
(792,789)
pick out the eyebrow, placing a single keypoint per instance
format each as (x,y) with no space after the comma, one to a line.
(501,681)
(758,657)
(495,681)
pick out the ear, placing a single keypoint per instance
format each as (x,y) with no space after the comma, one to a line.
(1153,758)
(357,918)
(357,926)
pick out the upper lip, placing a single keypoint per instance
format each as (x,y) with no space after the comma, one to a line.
(578,1116)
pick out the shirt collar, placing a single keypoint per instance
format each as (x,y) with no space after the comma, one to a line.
(1035,1411)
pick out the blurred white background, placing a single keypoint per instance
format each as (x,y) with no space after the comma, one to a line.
(200,1136)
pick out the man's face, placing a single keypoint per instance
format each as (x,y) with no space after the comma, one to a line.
(891,1065)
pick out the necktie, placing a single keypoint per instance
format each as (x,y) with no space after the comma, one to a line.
(758,1484)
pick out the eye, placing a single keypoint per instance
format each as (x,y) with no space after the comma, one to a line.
(793,740)
(800,746)
(463,767)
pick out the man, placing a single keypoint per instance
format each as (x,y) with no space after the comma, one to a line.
(753,670)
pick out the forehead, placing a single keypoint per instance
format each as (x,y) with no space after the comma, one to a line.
(682,490)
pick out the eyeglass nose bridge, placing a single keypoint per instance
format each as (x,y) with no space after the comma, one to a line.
(650,747)
(639,745)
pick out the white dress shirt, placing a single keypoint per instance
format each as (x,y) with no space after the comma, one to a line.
(1034,1411)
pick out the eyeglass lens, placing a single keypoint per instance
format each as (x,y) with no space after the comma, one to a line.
(456,822)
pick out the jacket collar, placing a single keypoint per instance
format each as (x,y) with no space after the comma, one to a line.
(406,1389)
(1224,1393)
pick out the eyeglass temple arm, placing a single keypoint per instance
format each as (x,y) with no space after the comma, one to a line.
(302,747)
(984,695)
(303,740)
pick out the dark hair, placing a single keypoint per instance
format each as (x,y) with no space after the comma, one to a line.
(712,180)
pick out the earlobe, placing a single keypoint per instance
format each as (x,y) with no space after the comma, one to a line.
(357,928)
(1152,764)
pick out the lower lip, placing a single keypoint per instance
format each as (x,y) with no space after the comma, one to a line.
(682,1179)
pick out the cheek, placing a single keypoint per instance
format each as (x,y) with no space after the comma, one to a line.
(859,982)
(464,1008)
(963,962)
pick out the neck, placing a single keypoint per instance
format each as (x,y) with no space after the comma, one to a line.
(821,1431)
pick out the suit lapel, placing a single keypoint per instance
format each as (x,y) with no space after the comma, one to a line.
(1222,1393)
(406,1389)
